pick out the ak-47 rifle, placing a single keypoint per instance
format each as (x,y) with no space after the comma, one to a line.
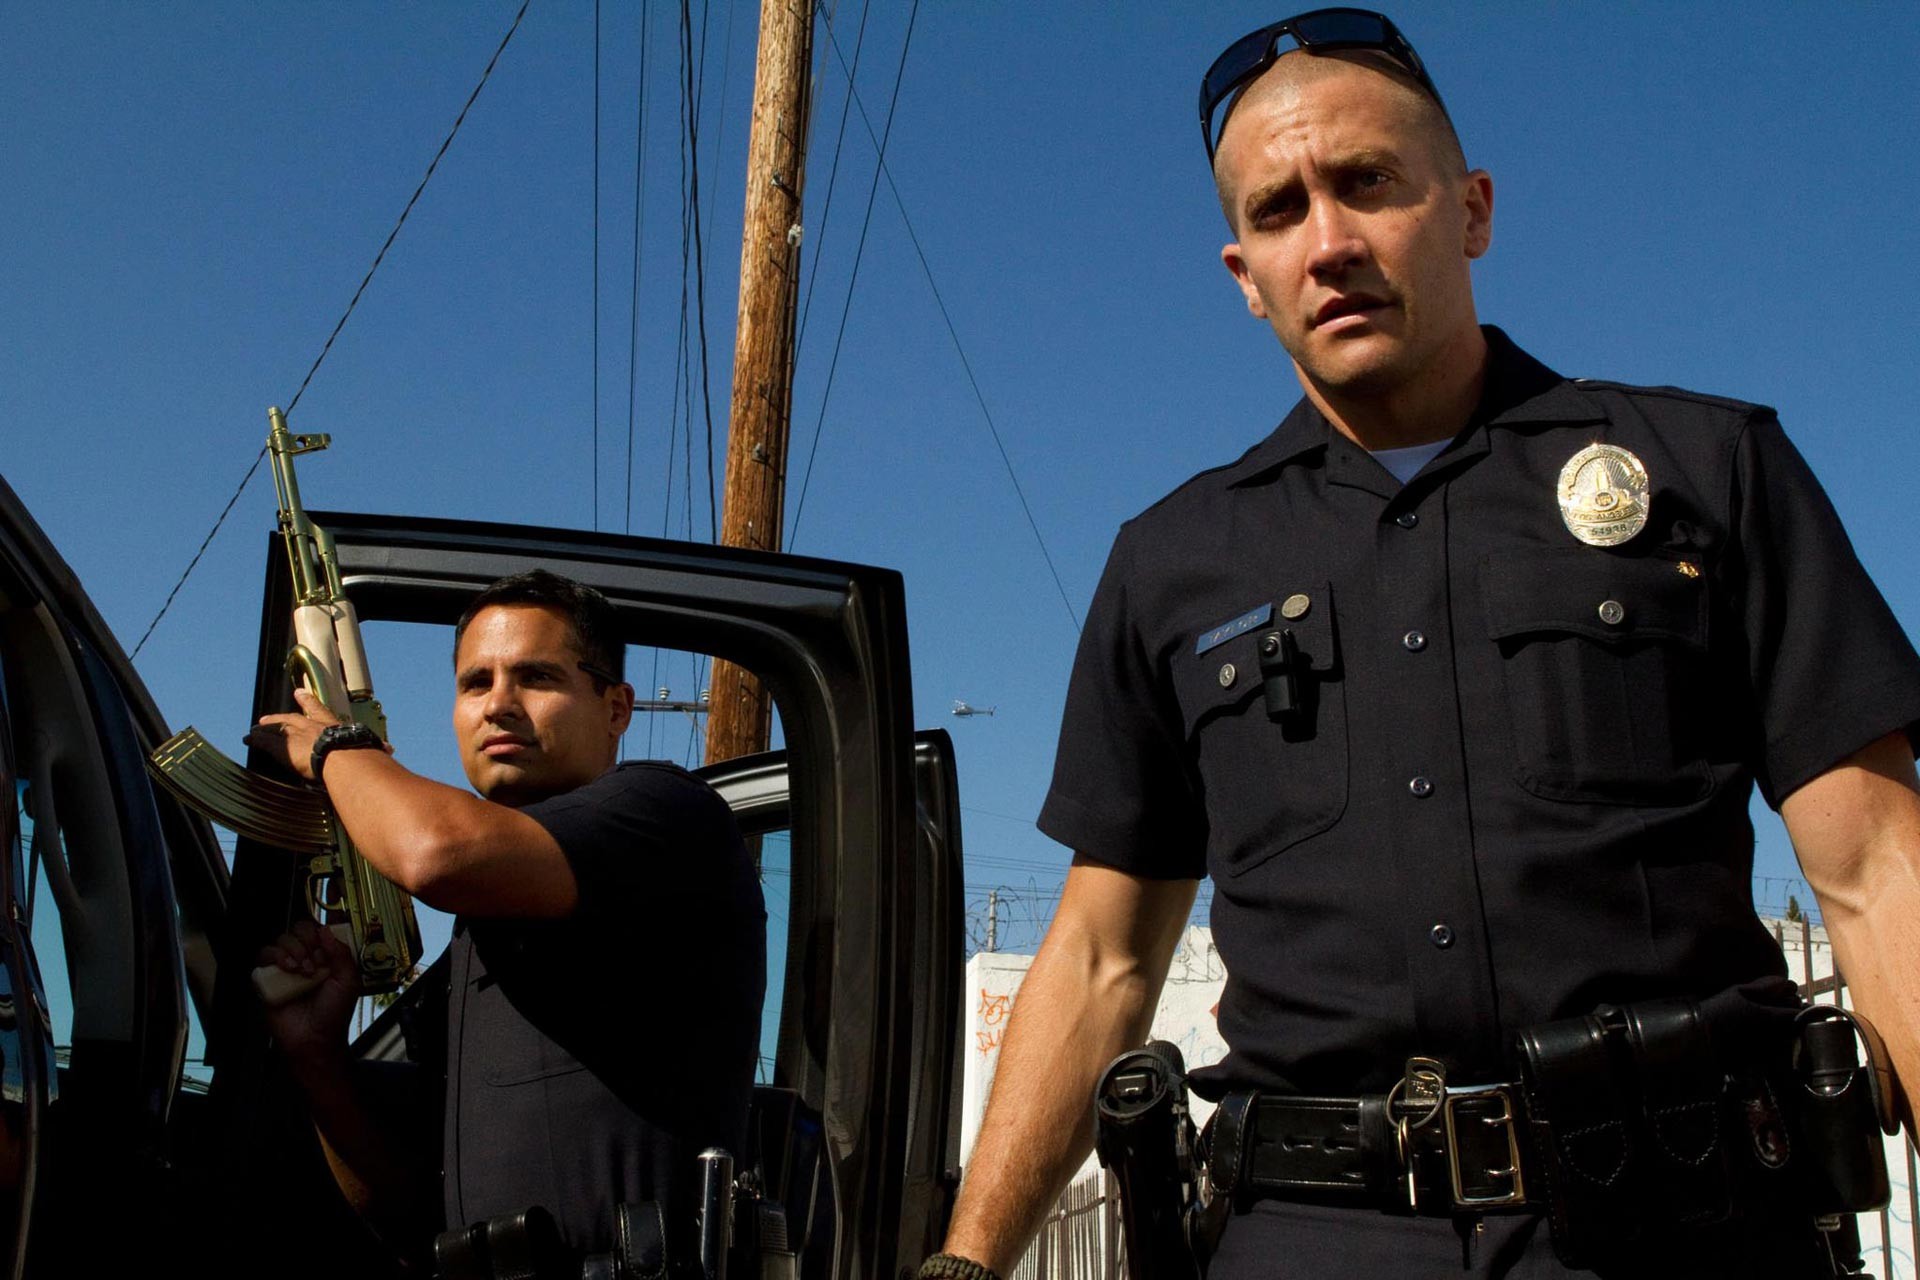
(329,659)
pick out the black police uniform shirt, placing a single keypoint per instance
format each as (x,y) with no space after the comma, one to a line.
(1517,784)
(591,1059)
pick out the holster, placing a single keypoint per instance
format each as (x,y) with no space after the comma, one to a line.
(509,1246)
(526,1246)
(1624,1113)
(1145,1137)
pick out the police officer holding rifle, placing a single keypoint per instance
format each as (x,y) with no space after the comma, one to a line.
(571,875)
(1458,685)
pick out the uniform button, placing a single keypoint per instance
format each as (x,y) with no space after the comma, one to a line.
(1421,788)
(1406,519)
(1414,640)
(1441,936)
(1611,612)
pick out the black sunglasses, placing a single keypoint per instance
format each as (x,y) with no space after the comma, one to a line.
(1322,29)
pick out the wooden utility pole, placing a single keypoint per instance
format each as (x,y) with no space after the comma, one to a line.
(754,505)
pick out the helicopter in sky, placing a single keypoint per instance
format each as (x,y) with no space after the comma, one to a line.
(967,709)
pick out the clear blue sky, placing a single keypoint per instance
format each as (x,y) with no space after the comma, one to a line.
(1716,196)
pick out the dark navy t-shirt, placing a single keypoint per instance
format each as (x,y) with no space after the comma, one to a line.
(592,1058)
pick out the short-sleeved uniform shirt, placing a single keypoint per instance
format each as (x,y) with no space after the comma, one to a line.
(1518,780)
(591,1059)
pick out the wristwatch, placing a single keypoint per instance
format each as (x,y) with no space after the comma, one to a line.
(947,1266)
(341,737)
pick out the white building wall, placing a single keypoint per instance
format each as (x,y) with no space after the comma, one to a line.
(1185,1017)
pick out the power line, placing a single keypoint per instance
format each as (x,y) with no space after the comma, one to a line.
(431,166)
(679,385)
(726,78)
(691,99)
(202,550)
(633,313)
(639,223)
(596,265)
(353,302)
(1005,817)
(833,174)
(954,334)
(859,253)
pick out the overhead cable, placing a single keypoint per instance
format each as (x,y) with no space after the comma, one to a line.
(859,253)
(639,224)
(327,346)
(690,101)
(954,334)
(596,266)
(818,234)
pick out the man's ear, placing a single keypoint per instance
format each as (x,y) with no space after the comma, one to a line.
(620,708)
(1237,265)
(1478,198)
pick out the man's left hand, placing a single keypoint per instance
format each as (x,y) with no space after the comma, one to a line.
(289,737)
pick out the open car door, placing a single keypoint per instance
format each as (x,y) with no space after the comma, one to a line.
(98,877)
(867,1014)
(787,1161)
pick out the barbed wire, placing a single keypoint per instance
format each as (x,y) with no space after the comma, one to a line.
(1007,917)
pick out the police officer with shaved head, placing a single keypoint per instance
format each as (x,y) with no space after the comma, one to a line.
(1458,685)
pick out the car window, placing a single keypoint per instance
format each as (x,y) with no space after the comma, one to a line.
(776,881)
(44,846)
(196,1072)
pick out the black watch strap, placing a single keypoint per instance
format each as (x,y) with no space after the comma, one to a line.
(341,737)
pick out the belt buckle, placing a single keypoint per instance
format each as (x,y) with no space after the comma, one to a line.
(1472,1098)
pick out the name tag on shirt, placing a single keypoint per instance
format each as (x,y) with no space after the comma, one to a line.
(1238,627)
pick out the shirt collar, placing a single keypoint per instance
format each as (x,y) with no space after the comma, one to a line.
(1519,389)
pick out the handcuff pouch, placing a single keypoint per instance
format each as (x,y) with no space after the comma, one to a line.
(1581,1122)
(1682,1092)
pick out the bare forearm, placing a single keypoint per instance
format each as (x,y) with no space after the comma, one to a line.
(452,850)
(372,1173)
(393,813)
(1070,1020)
(1876,942)
(1856,829)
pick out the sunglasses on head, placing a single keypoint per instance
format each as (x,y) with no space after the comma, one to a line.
(1320,30)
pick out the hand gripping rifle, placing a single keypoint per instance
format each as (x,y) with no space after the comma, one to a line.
(329,659)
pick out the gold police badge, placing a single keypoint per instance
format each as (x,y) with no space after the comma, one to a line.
(1603,495)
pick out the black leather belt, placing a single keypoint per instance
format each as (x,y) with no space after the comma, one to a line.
(1442,1150)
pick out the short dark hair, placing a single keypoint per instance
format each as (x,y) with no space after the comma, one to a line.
(588,613)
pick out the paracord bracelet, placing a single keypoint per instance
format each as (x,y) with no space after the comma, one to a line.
(949,1266)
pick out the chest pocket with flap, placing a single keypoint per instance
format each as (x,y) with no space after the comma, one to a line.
(1604,661)
(1268,784)
(503,983)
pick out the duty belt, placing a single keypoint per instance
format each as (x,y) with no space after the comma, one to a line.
(1425,1147)
(1624,1126)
